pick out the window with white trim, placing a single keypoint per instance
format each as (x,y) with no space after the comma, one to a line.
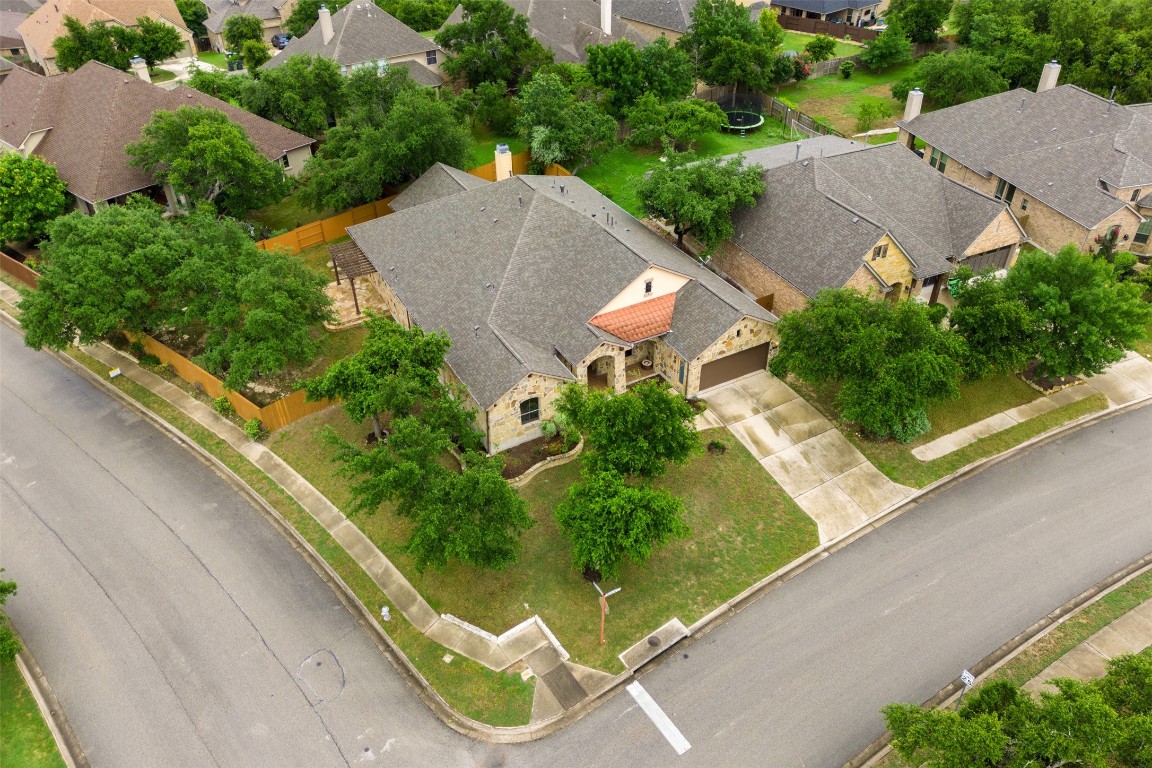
(938,160)
(430,58)
(1143,232)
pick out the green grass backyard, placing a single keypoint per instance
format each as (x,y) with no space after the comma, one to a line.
(835,99)
(795,41)
(744,527)
(286,214)
(978,400)
(25,740)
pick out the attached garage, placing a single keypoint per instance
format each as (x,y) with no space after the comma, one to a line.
(997,259)
(734,365)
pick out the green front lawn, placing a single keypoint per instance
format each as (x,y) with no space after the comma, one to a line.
(835,99)
(795,41)
(161,75)
(25,740)
(978,400)
(218,60)
(617,172)
(743,527)
(1144,346)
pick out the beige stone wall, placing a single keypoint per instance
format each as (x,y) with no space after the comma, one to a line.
(957,171)
(894,267)
(601,366)
(746,333)
(422,58)
(504,427)
(395,307)
(1052,230)
(1002,232)
(666,362)
(448,376)
(865,282)
(757,279)
(651,32)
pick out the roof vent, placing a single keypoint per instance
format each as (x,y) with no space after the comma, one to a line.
(804,163)
(1022,105)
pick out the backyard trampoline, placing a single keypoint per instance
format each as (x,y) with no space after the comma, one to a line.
(739,120)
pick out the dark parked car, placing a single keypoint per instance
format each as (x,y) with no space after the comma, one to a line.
(281,40)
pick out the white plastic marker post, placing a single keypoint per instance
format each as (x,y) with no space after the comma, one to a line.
(659,719)
(604,606)
(969,680)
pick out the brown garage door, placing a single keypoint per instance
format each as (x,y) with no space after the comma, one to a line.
(738,364)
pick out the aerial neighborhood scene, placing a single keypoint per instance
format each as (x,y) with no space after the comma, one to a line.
(576,383)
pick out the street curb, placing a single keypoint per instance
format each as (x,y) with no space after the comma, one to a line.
(881,746)
(66,741)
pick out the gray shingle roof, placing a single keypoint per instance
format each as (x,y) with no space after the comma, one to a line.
(420,73)
(820,217)
(514,270)
(782,154)
(826,6)
(361,33)
(673,15)
(1057,145)
(221,10)
(438,181)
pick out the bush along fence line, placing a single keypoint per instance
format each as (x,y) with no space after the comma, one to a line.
(332,228)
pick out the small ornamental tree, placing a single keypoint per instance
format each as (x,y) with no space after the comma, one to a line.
(9,645)
(31,196)
(699,197)
(158,41)
(996,324)
(637,432)
(609,519)
(254,53)
(820,48)
(207,157)
(770,29)
(240,28)
(492,43)
(868,112)
(1087,318)
(890,48)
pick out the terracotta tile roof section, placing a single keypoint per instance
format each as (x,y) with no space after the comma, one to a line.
(639,321)
(92,113)
(41,29)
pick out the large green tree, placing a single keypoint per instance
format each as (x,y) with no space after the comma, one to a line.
(953,78)
(242,27)
(996,324)
(207,157)
(109,44)
(921,19)
(891,362)
(304,93)
(890,48)
(627,73)
(681,122)
(698,197)
(194,13)
(609,519)
(559,127)
(727,48)
(398,131)
(31,196)
(492,43)
(637,432)
(394,369)
(158,41)
(305,13)
(1088,319)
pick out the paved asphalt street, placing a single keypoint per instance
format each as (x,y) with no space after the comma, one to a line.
(178,628)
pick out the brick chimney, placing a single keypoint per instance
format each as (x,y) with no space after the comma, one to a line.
(1048,77)
(913,105)
(606,16)
(140,69)
(503,162)
(325,17)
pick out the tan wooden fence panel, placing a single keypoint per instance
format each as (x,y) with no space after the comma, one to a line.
(329,229)
(832,29)
(24,274)
(289,409)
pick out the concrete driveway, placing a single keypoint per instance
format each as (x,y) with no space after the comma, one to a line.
(825,474)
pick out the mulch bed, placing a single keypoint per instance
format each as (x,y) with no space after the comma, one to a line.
(523,457)
(1046,383)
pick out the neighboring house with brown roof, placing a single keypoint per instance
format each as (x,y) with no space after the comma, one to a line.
(274,14)
(876,219)
(362,35)
(856,12)
(656,18)
(540,281)
(1073,166)
(41,29)
(567,27)
(81,122)
(11,43)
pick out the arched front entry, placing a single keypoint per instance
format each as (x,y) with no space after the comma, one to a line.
(602,373)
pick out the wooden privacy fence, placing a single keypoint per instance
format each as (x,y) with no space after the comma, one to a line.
(832,66)
(24,274)
(830,28)
(279,414)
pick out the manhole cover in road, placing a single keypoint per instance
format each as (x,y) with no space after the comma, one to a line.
(321,676)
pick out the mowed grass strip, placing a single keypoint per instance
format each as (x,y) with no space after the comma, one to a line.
(743,527)
(836,99)
(25,740)
(795,41)
(978,400)
(496,698)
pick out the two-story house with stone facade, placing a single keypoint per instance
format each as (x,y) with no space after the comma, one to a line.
(540,281)
(846,215)
(1074,167)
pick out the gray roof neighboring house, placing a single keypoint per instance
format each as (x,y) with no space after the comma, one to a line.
(673,15)
(817,146)
(513,271)
(818,218)
(566,27)
(361,32)
(437,182)
(420,74)
(826,6)
(1058,146)
(9,36)
(221,10)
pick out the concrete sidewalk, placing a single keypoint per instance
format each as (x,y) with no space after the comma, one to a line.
(1131,633)
(1128,381)
(816,465)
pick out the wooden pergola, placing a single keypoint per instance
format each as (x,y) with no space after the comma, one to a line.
(349,259)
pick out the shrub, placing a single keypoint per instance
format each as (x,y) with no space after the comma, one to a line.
(717,447)
(868,113)
(548,429)
(915,425)
(847,67)
(223,406)
(149,361)
(254,428)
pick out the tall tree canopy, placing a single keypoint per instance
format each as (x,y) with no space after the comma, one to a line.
(207,157)
(559,127)
(158,41)
(699,196)
(627,73)
(953,78)
(109,44)
(891,362)
(891,47)
(242,27)
(492,43)
(727,48)
(305,93)
(194,13)
(31,196)
(921,19)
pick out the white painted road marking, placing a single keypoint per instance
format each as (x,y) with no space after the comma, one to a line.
(665,725)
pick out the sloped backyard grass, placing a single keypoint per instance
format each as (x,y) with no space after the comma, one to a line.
(743,527)
(795,41)
(835,99)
